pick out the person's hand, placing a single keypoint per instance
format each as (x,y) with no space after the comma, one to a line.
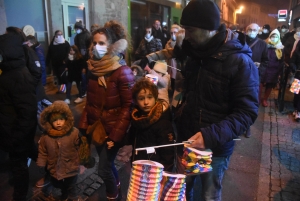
(110,144)
(198,141)
(147,68)
(84,71)
(144,61)
(179,37)
(257,64)
(81,169)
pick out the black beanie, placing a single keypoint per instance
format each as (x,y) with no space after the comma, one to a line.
(78,25)
(203,14)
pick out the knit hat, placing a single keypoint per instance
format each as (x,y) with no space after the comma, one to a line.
(266,26)
(203,14)
(78,25)
(160,67)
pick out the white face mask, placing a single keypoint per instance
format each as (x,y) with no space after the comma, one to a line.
(99,51)
(173,37)
(134,73)
(78,31)
(71,57)
(252,34)
(265,31)
(274,40)
(59,39)
(147,35)
(283,30)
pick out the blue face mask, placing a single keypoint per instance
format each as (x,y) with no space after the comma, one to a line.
(99,51)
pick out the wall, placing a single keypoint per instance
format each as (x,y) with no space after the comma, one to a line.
(102,11)
(175,12)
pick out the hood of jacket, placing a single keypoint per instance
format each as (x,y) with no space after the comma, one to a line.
(235,43)
(140,71)
(12,52)
(57,107)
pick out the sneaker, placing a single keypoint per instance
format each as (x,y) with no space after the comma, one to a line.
(78,100)
(67,101)
(44,181)
(248,133)
(264,103)
(84,95)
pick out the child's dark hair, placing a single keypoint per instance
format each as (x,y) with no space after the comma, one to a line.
(77,53)
(144,84)
(55,116)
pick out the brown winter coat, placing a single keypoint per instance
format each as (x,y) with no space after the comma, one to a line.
(59,149)
(115,100)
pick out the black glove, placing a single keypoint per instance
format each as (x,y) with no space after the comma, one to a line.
(42,170)
(144,61)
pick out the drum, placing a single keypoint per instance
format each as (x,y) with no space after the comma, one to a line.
(172,187)
(145,180)
(196,161)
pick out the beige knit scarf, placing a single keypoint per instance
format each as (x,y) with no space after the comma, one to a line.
(104,66)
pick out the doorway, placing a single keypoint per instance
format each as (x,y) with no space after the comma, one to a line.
(73,12)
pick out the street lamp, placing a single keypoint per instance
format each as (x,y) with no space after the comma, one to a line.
(237,11)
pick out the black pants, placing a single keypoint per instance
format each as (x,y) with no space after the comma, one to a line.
(67,186)
(297,102)
(18,162)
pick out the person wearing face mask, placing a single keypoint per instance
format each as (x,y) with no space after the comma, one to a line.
(74,65)
(109,98)
(172,62)
(265,32)
(83,41)
(220,90)
(259,53)
(283,31)
(137,72)
(270,76)
(290,41)
(147,45)
(58,52)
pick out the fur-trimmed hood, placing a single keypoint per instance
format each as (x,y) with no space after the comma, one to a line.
(140,71)
(57,107)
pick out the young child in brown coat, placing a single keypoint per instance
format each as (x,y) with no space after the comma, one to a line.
(59,148)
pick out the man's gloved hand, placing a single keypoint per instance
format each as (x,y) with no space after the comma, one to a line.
(179,37)
(144,61)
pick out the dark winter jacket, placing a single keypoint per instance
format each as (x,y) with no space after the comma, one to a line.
(221,92)
(288,42)
(274,67)
(295,61)
(263,36)
(75,68)
(83,42)
(34,66)
(161,34)
(57,54)
(146,47)
(158,131)
(111,104)
(39,50)
(58,150)
(259,52)
(18,106)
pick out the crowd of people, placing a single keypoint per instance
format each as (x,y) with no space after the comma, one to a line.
(201,79)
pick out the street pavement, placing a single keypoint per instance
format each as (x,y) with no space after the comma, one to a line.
(264,167)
